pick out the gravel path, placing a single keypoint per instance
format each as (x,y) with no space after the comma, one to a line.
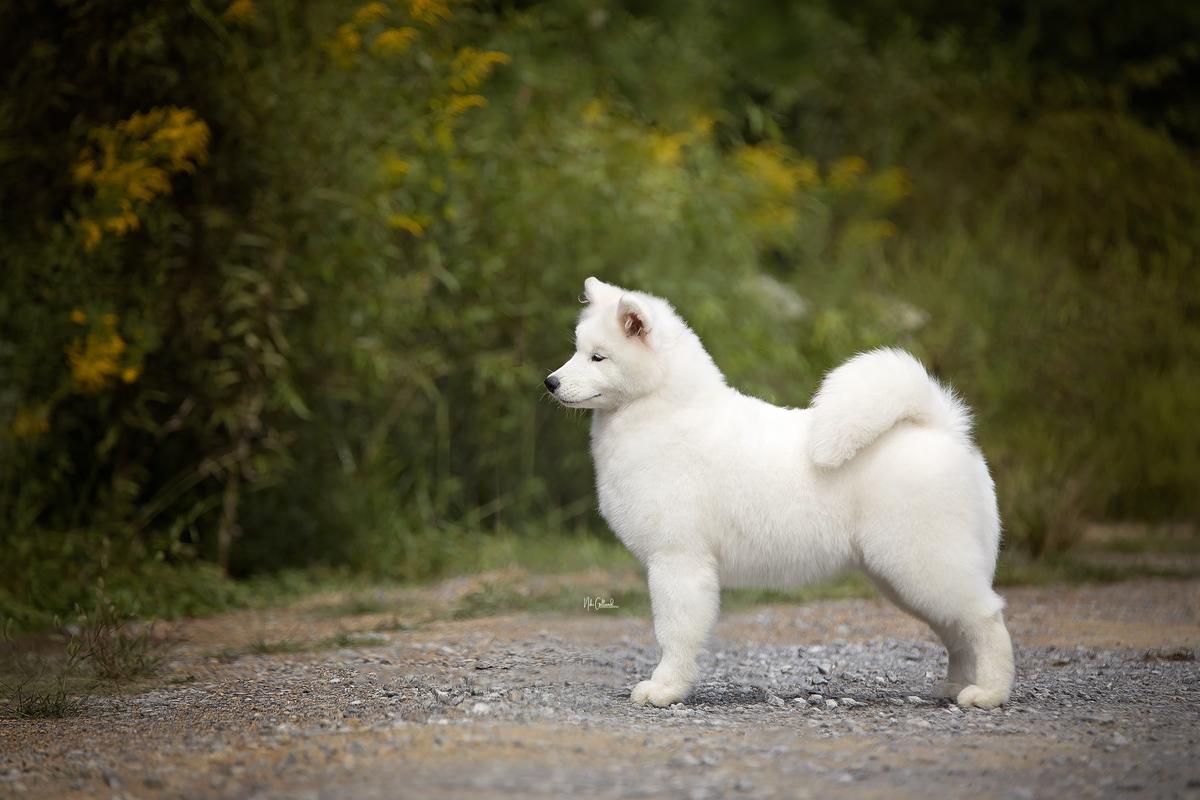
(831,698)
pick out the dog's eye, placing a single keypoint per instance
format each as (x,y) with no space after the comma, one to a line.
(597,357)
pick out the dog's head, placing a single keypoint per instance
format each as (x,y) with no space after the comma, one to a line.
(618,348)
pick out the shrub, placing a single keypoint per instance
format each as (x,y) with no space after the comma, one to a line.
(280,287)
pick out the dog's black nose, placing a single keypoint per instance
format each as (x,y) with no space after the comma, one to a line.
(551,383)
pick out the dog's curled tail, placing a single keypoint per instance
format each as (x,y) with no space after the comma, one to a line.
(862,399)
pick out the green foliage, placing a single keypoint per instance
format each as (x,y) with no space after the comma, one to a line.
(281,280)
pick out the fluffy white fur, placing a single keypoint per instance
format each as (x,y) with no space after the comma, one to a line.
(711,488)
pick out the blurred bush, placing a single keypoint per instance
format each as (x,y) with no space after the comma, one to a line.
(281,279)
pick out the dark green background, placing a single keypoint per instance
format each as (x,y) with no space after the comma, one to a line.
(327,389)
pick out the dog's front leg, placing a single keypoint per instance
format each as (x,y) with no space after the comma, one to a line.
(684,596)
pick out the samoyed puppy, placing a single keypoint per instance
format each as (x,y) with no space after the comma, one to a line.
(711,488)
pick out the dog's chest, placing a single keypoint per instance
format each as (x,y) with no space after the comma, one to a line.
(645,488)
(623,470)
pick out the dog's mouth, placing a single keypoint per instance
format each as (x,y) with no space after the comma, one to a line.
(576,402)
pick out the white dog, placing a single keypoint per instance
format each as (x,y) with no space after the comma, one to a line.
(711,488)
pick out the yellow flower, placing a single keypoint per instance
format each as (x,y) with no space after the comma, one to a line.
(407,223)
(183,137)
(431,12)
(142,181)
(83,170)
(775,173)
(890,185)
(78,316)
(366,14)
(91,234)
(30,422)
(471,67)
(459,104)
(594,111)
(394,41)
(129,164)
(846,171)
(666,148)
(240,12)
(776,168)
(130,374)
(345,46)
(122,223)
(94,360)
(396,168)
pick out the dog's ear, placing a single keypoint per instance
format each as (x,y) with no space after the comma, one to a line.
(633,317)
(595,290)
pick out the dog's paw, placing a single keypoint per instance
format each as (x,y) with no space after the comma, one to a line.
(946,689)
(657,694)
(978,697)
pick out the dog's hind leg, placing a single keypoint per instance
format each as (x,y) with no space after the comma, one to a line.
(960,672)
(685,597)
(934,576)
(992,650)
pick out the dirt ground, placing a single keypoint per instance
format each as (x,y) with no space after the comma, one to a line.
(830,698)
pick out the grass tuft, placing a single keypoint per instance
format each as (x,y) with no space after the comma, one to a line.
(38,687)
(49,702)
(52,676)
(119,650)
